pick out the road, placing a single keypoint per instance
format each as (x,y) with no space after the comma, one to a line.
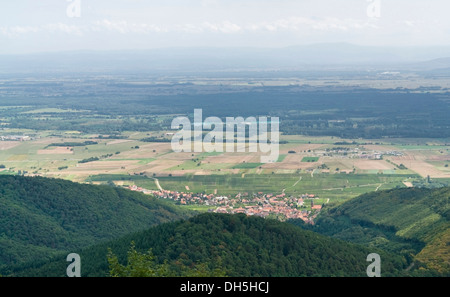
(157,184)
(293,184)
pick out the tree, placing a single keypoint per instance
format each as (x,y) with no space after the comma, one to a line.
(144,265)
(202,270)
(139,265)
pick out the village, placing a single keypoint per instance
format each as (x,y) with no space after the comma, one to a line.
(15,138)
(356,153)
(259,204)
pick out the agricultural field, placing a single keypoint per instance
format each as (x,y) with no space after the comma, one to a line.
(340,186)
(328,167)
(102,134)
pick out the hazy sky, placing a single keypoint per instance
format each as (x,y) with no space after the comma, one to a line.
(54,25)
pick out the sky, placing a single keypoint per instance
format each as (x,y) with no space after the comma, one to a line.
(31,26)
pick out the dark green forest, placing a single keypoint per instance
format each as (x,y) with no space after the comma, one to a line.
(236,245)
(111,107)
(40,217)
(117,232)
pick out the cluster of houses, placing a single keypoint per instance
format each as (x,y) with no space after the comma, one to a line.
(264,205)
(15,138)
(346,152)
(257,204)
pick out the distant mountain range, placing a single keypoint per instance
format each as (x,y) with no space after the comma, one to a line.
(341,56)
(436,65)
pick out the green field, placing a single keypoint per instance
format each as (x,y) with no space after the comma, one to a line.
(247,165)
(282,157)
(310,159)
(329,176)
(341,186)
(142,161)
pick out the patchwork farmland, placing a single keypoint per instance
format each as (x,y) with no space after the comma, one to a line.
(330,168)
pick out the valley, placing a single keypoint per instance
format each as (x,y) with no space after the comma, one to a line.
(327,159)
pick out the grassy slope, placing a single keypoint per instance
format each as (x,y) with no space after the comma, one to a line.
(406,220)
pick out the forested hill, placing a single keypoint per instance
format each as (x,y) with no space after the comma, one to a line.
(414,222)
(237,245)
(40,217)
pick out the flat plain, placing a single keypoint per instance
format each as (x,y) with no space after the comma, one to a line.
(327,169)
(364,140)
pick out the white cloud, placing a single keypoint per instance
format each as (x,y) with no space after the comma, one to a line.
(216,23)
(62,28)
(18,30)
(306,24)
(188,28)
(125,27)
(226,27)
(14,31)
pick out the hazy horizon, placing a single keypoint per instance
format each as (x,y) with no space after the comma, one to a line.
(79,25)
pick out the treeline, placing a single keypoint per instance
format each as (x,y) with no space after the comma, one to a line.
(73,144)
(93,159)
(155,139)
(87,160)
